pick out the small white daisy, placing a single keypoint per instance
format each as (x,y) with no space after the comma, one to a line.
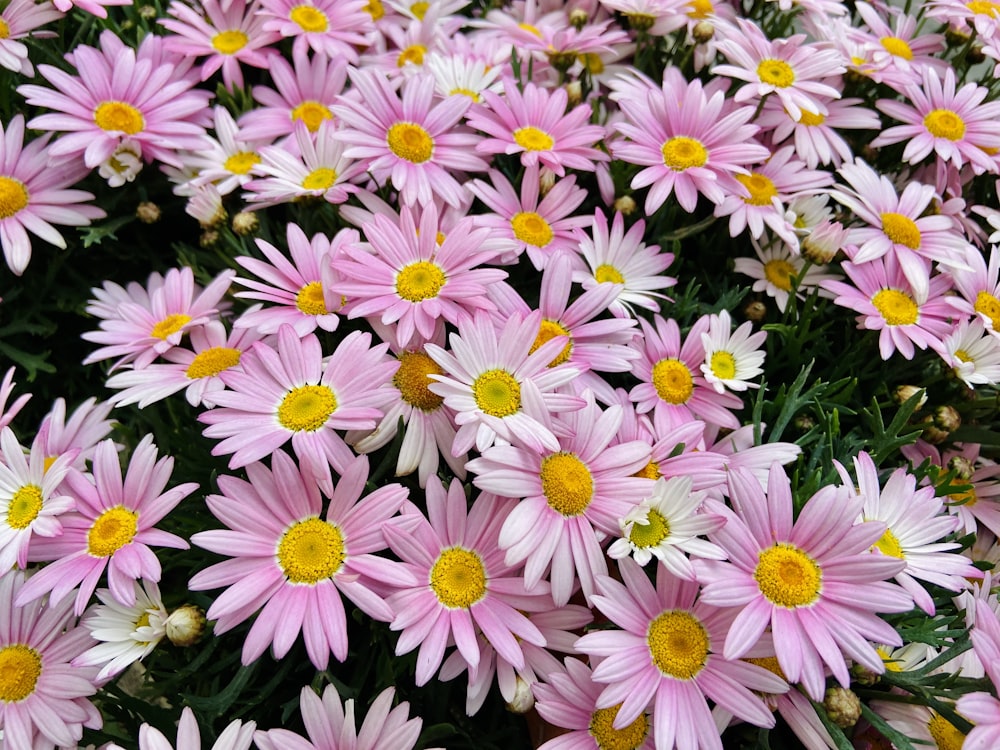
(777,271)
(973,353)
(127,634)
(667,524)
(731,357)
(458,74)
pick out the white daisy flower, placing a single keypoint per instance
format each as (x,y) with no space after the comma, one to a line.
(777,271)
(667,524)
(457,74)
(972,353)
(731,357)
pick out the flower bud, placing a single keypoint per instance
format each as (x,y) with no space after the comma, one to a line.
(148,212)
(962,467)
(574,93)
(186,625)
(245,222)
(523,700)
(703,32)
(904,393)
(842,706)
(578,18)
(625,205)
(947,418)
(755,310)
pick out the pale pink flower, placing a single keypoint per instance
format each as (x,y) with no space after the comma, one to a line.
(293,566)
(335,28)
(20,18)
(228,160)
(111,528)
(79,435)
(7,414)
(237,735)
(817,138)
(94,7)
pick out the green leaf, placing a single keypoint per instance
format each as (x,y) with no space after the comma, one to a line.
(96,234)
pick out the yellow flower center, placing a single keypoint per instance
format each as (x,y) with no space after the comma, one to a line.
(700,9)
(943,123)
(241,162)
(962,356)
(321,178)
(776,73)
(531,138)
(723,365)
(891,664)
(310,300)
(606,272)
(808,118)
(419,9)
(309,19)
(681,152)
(306,408)
(897,47)
(412,380)
(119,117)
(566,483)
(312,113)
(967,498)
(419,281)
(548,330)
(678,643)
(988,305)
(896,307)
(169,326)
(210,362)
(375,9)
(672,380)
(649,471)
(311,551)
(901,229)
(788,577)
(20,668)
(13,196)
(458,578)
(409,141)
(652,533)
(592,62)
(112,530)
(603,731)
(760,187)
(4,29)
(984,8)
(412,55)
(24,506)
(779,273)
(889,545)
(497,393)
(230,42)
(944,733)
(531,228)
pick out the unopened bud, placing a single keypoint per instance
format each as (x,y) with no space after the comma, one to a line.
(904,393)
(147,12)
(546,180)
(803,423)
(148,212)
(755,310)
(640,21)
(842,706)
(931,432)
(574,92)
(625,205)
(947,418)
(208,238)
(578,18)
(523,700)
(703,32)
(185,625)
(962,467)
(245,222)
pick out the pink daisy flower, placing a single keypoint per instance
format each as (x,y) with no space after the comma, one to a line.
(566,495)
(898,226)
(111,528)
(30,498)
(686,139)
(236,736)
(94,7)
(621,257)
(305,92)
(568,699)
(535,124)
(291,392)
(79,435)
(817,137)
(959,126)
(979,288)
(900,52)
(226,161)
(19,19)
(666,656)
(312,167)
(542,225)
(6,389)
(463,587)
(43,698)
(293,566)
(230,34)
(196,371)
(788,67)
(329,27)
(407,138)
(292,287)
(915,524)
(889,305)
(673,386)
(813,580)
(331,726)
(152,106)
(983,710)
(145,324)
(499,387)
(593,346)
(33,195)
(412,281)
